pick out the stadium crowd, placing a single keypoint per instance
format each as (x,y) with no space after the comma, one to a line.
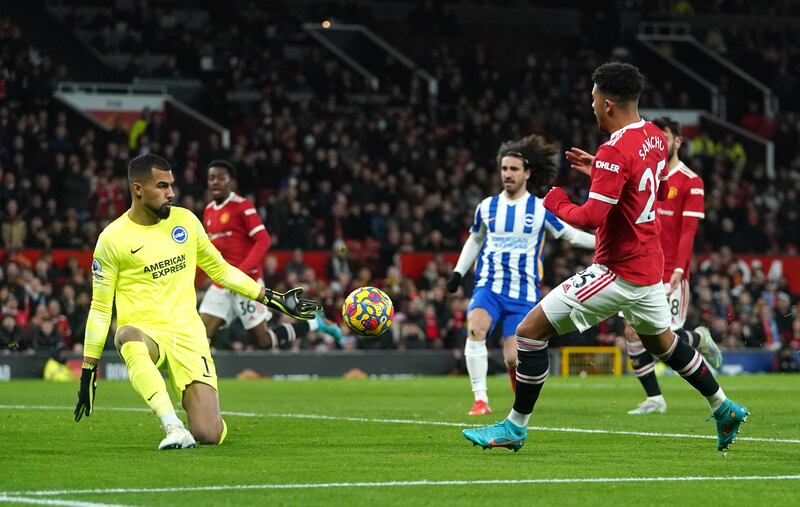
(395,177)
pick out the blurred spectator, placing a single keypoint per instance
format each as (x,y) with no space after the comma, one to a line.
(14,228)
(47,338)
(339,263)
(12,338)
(296,266)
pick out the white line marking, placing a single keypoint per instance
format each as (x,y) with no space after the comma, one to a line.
(53,501)
(320,485)
(424,423)
(532,428)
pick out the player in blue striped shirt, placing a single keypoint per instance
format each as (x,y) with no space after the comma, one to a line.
(507,239)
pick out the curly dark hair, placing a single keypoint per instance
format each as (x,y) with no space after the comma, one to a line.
(538,157)
(621,82)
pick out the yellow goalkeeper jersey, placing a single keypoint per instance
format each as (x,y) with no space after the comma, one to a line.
(149,270)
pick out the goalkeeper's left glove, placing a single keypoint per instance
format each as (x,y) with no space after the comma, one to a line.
(86,393)
(454,282)
(289,302)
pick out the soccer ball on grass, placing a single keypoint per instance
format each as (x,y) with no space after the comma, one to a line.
(368,312)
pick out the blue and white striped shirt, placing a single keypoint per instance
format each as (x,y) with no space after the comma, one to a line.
(510,262)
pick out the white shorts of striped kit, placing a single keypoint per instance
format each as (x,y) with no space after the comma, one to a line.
(594,294)
(678,303)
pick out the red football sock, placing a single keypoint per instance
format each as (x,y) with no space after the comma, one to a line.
(512,374)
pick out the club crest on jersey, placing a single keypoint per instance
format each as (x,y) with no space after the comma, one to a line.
(179,234)
(673,193)
(529,219)
(225,218)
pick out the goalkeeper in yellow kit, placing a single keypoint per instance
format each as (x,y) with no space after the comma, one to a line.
(147,259)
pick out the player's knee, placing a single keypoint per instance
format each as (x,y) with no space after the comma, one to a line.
(477,333)
(211,434)
(127,334)
(536,326)
(528,329)
(630,334)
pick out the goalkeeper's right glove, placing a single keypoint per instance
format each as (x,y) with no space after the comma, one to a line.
(291,304)
(86,393)
(454,282)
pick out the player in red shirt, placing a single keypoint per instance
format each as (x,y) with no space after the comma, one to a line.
(628,264)
(679,215)
(234,227)
(679,208)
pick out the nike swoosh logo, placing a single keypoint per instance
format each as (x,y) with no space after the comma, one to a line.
(134,251)
(209,376)
(151,396)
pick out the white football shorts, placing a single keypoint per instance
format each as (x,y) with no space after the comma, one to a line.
(226,305)
(594,294)
(679,304)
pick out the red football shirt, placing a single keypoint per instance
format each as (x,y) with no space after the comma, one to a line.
(236,230)
(625,174)
(679,215)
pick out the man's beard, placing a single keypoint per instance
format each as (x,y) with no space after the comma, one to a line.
(162,212)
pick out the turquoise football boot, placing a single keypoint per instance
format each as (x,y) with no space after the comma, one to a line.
(503,434)
(729,417)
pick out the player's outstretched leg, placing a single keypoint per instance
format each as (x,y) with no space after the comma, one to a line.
(533,364)
(284,335)
(690,365)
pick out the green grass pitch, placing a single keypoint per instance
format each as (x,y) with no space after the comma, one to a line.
(398,442)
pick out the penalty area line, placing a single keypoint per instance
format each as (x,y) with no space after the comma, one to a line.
(371,420)
(395,484)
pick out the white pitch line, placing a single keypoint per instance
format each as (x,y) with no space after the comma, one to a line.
(322,485)
(53,501)
(429,423)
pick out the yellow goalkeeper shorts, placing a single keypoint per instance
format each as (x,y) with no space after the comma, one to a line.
(187,359)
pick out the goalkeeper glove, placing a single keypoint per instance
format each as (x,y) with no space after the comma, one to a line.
(289,302)
(454,282)
(86,394)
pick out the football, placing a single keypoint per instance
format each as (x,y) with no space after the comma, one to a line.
(368,312)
